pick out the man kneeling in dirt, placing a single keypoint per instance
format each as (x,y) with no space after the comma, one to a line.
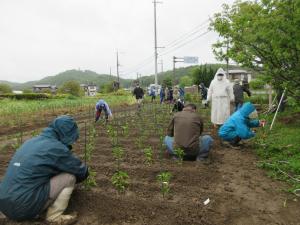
(184,132)
(42,174)
(237,126)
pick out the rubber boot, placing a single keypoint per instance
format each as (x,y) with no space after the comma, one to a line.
(55,211)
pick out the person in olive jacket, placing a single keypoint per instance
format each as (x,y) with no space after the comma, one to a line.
(42,174)
(184,132)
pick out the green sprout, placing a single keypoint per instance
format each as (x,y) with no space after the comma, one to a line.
(91,180)
(148,152)
(164,180)
(180,154)
(118,154)
(120,180)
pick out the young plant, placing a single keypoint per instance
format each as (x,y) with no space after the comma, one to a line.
(148,152)
(91,180)
(120,180)
(179,154)
(118,154)
(125,130)
(164,180)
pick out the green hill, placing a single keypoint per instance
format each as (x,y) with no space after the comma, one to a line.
(87,76)
(83,77)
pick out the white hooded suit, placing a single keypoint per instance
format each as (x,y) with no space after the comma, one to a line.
(220,93)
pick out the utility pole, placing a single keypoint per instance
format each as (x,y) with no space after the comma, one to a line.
(155,41)
(175,60)
(118,64)
(162,65)
(227,61)
(110,73)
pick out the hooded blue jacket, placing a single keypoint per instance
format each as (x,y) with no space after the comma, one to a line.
(25,188)
(239,124)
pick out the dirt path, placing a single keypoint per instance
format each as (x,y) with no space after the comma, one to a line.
(239,191)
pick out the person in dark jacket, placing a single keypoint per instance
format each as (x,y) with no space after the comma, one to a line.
(203,92)
(181,93)
(184,131)
(238,125)
(152,94)
(238,91)
(102,105)
(42,174)
(178,106)
(162,95)
(138,92)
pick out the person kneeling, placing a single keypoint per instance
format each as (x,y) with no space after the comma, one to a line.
(185,131)
(42,175)
(237,126)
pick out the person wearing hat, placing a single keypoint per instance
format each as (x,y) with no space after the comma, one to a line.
(220,94)
(102,105)
(238,91)
(42,174)
(239,125)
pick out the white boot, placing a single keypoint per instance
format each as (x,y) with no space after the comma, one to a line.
(55,211)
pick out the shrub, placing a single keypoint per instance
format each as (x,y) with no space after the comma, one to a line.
(257,84)
(28,96)
(5,89)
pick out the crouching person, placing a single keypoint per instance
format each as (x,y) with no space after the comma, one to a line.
(42,174)
(238,125)
(185,131)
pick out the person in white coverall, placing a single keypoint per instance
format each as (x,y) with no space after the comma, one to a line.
(220,93)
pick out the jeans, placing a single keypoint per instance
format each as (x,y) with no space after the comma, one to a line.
(205,143)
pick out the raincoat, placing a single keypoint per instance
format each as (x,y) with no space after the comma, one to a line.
(220,93)
(102,105)
(239,124)
(25,188)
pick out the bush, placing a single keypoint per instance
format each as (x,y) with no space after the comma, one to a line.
(257,84)
(71,87)
(5,89)
(121,92)
(28,96)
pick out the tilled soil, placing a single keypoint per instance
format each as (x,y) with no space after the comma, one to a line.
(239,191)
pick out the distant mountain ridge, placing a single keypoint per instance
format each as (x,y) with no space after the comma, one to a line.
(88,76)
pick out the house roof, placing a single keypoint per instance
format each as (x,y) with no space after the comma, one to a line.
(237,72)
(44,86)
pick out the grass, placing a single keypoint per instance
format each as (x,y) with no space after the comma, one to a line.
(279,149)
(12,111)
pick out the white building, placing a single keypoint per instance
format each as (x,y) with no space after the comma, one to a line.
(89,89)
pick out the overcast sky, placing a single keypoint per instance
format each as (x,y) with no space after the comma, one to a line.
(40,38)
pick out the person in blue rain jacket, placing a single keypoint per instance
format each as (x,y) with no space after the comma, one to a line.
(42,174)
(238,125)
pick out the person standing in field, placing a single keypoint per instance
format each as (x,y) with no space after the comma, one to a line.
(41,175)
(152,94)
(101,105)
(238,91)
(138,92)
(162,95)
(220,93)
(181,93)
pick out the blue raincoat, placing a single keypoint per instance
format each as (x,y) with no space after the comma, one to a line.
(25,188)
(239,124)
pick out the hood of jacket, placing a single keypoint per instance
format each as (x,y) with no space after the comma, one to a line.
(63,128)
(247,109)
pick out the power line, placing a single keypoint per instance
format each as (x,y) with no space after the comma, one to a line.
(172,45)
(185,43)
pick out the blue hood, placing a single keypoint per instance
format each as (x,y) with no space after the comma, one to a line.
(65,129)
(246,109)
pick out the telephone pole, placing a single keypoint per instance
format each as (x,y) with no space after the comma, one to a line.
(118,64)
(155,41)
